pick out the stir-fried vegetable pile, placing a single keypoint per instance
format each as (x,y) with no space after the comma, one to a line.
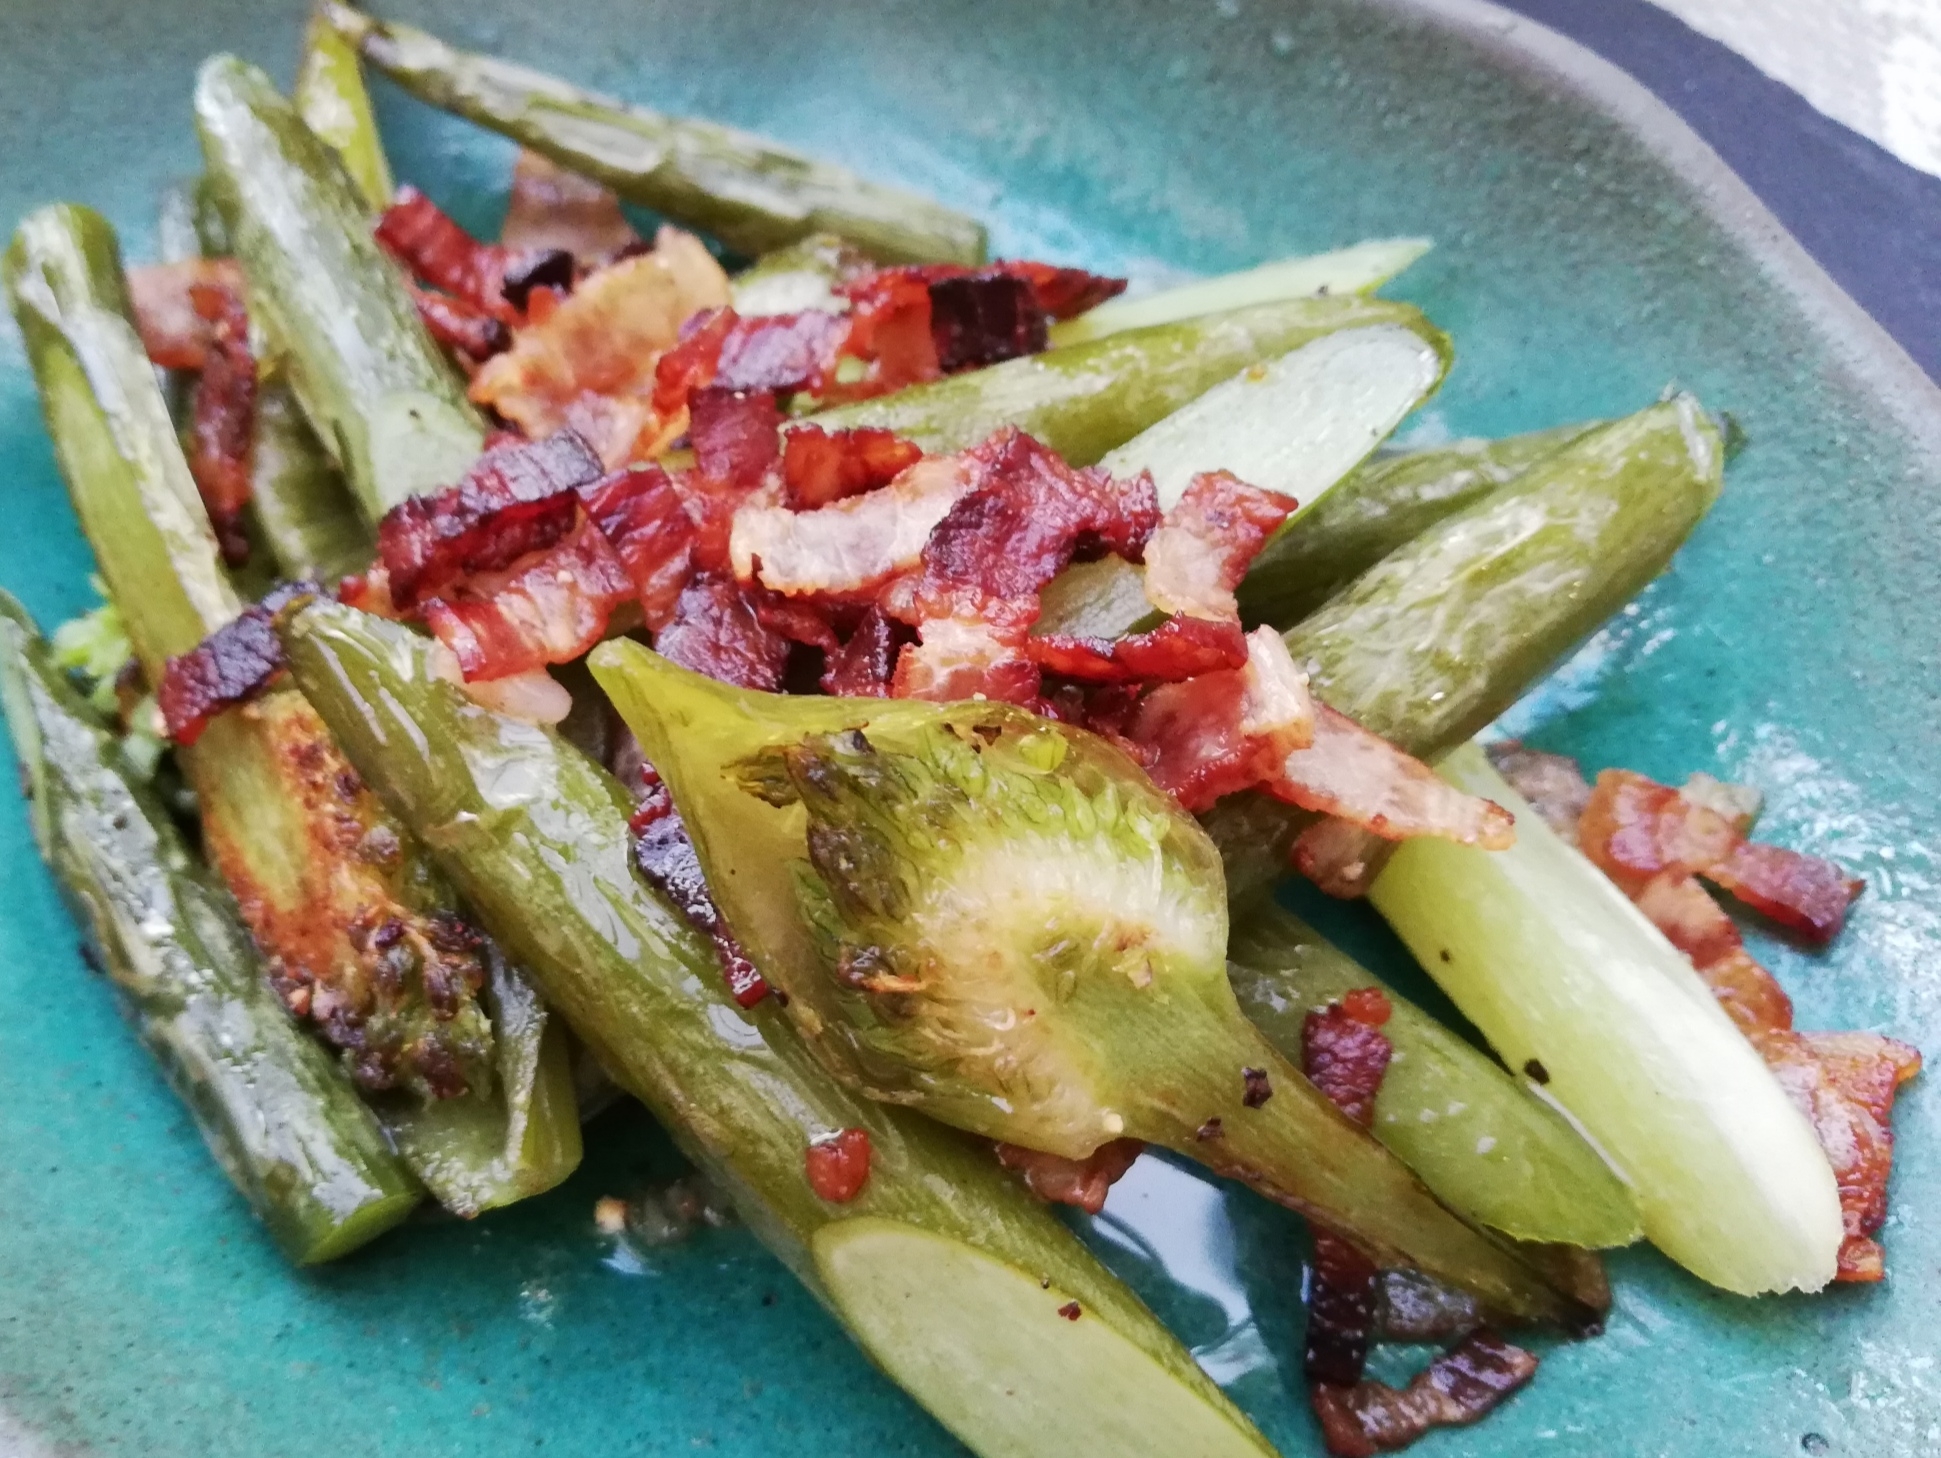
(860,703)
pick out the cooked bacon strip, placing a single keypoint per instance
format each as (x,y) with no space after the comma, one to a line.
(1360,777)
(590,362)
(735,436)
(665,856)
(550,607)
(824,466)
(1644,829)
(717,630)
(554,210)
(1699,927)
(1225,731)
(963,658)
(849,548)
(225,416)
(773,352)
(460,326)
(1457,1388)
(515,499)
(173,334)
(1080,1182)
(864,666)
(421,236)
(982,319)
(238,662)
(1206,542)
(1178,649)
(644,516)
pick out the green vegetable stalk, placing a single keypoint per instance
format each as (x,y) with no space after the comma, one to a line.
(801,276)
(750,193)
(382,397)
(1488,1150)
(1003,924)
(323,878)
(1443,634)
(1085,400)
(1575,988)
(948,1274)
(331,99)
(1387,503)
(276,1112)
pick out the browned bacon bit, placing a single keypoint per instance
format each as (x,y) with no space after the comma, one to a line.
(549,608)
(173,334)
(1418,1308)
(234,664)
(1699,927)
(1457,1388)
(734,434)
(1071,1311)
(1345,1052)
(665,856)
(421,236)
(1643,829)
(982,319)
(1063,293)
(1258,1088)
(821,466)
(460,326)
(225,416)
(798,622)
(865,664)
(1080,1182)
(514,500)
(552,208)
(1344,1293)
(1206,542)
(644,516)
(772,352)
(838,1166)
(716,630)
(1340,858)
(1361,777)
(1179,648)
(1225,731)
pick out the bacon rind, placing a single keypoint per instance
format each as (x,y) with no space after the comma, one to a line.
(1082,1183)
(223,432)
(851,547)
(1805,894)
(1360,777)
(238,662)
(1205,543)
(1458,1388)
(958,659)
(717,630)
(173,334)
(550,607)
(820,466)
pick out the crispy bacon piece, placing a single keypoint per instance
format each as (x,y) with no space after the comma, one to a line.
(515,499)
(984,318)
(851,547)
(838,1166)
(1345,1053)
(824,466)
(590,363)
(962,658)
(1362,778)
(1641,829)
(173,334)
(735,436)
(717,630)
(238,662)
(225,416)
(550,607)
(1458,1388)
(1179,648)
(1080,1182)
(772,352)
(865,664)
(424,238)
(644,517)
(1227,730)
(554,210)
(1206,542)
(1699,927)
(460,326)
(665,856)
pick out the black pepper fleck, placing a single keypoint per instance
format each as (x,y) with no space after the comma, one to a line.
(1259,1090)
(1538,1073)
(1209,1130)
(1444,954)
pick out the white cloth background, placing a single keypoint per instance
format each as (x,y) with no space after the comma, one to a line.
(1873,65)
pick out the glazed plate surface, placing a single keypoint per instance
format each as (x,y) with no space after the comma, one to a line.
(1589,252)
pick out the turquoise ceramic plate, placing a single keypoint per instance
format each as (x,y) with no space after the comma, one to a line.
(1589,251)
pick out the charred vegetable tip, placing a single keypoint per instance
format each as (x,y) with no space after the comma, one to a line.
(1000,921)
(752,194)
(276,1112)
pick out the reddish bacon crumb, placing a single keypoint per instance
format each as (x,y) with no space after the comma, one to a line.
(1207,541)
(734,434)
(1080,1182)
(225,416)
(716,630)
(864,666)
(822,466)
(770,352)
(238,662)
(1458,1388)
(421,236)
(838,1166)
(665,856)
(514,500)
(1225,731)
(1346,1053)
(460,326)
(173,334)
(1178,649)
(982,319)
(644,516)
(550,608)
